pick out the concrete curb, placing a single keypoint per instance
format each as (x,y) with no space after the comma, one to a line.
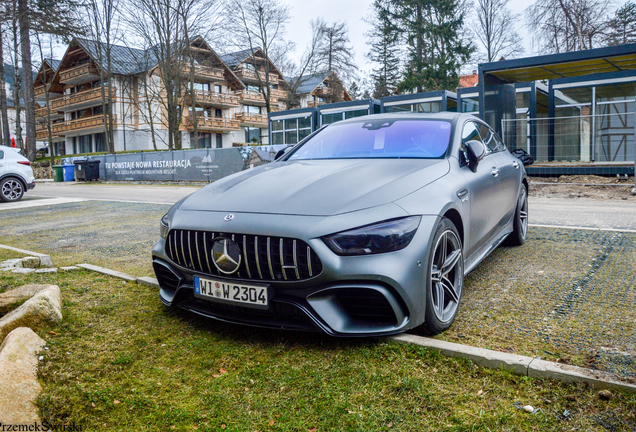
(521,365)
(108,272)
(45,260)
(150,281)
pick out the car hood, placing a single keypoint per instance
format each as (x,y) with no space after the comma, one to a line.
(317,187)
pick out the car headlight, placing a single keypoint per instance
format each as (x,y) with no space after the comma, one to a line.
(387,236)
(164,226)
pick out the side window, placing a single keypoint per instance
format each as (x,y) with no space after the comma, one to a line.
(1,154)
(488,136)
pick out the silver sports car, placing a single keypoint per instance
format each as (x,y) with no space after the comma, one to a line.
(365,228)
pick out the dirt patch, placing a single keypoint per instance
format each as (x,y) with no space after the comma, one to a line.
(583,186)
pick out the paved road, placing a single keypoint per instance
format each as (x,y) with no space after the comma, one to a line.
(574,212)
(112,192)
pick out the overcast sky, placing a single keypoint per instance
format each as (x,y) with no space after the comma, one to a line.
(352,11)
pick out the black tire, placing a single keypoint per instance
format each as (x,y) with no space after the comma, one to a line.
(444,284)
(520,223)
(11,189)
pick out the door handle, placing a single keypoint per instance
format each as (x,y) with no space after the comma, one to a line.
(515,164)
(494,172)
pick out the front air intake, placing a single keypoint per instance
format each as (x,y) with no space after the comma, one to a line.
(264,258)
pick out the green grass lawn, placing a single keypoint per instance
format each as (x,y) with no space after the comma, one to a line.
(121,360)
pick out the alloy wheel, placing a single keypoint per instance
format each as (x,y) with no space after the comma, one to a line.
(12,190)
(523,212)
(447,276)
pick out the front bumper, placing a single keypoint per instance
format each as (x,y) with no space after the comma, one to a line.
(373,295)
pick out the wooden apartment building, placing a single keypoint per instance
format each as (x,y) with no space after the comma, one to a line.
(222,98)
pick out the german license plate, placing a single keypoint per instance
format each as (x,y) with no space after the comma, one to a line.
(231,292)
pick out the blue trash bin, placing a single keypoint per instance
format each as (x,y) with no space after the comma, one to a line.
(68,171)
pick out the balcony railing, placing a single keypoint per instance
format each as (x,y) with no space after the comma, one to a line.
(92,95)
(312,104)
(74,73)
(206,72)
(216,99)
(247,96)
(278,94)
(212,123)
(79,124)
(251,119)
(249,74)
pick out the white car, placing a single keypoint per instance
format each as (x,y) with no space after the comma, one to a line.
(16,174)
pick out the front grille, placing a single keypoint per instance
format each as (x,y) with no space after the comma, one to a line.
(366,305)
(166,278)
(263,258)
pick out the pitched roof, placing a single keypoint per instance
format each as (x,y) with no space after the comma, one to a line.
(309,82)
(234,58)
(124,60)
(53,63)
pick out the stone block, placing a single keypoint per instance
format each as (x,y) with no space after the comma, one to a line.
(43,308)
(19,294)
(568,373)
(18,377)
(31,262)
(22,270)
(46,270)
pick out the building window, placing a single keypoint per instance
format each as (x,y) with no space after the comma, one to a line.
(252,109)
(100,142)
(397,108)
(74,145)
(253,88)
(201,86)
(84,143)
(204,141)
(252,135)
(219,140)
(217,88)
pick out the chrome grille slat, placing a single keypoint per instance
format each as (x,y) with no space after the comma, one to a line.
(258,263)
(247,262)
(282,261)
(190,249)
(196,246)
(309,261)
(207,258)
(269,258)
(296,261)
(182,251)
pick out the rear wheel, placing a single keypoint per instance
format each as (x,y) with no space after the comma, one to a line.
(444,279)
(11,189)
(520,224)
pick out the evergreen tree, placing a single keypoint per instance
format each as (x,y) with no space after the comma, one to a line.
(432,33)
(385,51)
(622,28)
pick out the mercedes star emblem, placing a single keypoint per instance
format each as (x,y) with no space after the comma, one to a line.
(226,255)
(228,217)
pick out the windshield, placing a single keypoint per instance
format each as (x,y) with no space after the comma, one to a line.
(378,139)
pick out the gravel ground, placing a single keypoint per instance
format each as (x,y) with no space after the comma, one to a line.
(566,294)
(583,186)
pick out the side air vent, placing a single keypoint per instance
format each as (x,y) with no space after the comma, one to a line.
(166,278)
(366,305)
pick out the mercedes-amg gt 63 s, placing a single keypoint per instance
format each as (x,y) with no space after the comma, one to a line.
(367,227)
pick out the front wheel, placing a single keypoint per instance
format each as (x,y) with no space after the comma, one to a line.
(11,189)
(444,279)
(520,223)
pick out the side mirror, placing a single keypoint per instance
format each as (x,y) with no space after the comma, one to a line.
(279,154)
(475,150)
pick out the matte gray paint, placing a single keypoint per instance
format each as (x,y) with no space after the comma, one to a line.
(310,199)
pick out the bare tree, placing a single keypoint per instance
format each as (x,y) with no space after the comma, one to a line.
(165,26)
(334,53)
(568,25)
(104,30)
(494,27)
(4,117)
(300,72)
(47,76)
(261,24)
